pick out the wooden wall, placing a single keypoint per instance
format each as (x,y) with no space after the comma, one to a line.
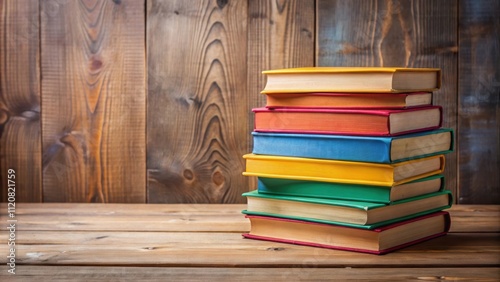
(149,101)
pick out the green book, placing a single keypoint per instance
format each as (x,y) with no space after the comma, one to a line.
(354,192)
(367,215)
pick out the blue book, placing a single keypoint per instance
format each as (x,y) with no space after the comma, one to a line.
(376,149)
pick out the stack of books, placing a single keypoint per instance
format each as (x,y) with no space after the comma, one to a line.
(349,158)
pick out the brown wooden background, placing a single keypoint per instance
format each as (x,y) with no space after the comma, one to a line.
(149,101)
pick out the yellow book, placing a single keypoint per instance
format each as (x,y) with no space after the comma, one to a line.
(336,171)
(352,79)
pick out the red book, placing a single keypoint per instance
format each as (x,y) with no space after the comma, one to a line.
(386,122)
(379,241)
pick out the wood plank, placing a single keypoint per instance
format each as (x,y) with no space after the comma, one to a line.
(475,218)
(190,217)
(230,249)
(94,101)
(166,223)
(478,104)
(180,222)
(20,135)
(110,210)
(302,273)
(281,34)
(126,217)
(197,106)
(395,33)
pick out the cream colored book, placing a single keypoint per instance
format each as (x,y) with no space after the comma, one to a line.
(352,79)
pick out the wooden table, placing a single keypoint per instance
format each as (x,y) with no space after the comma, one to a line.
(109,242)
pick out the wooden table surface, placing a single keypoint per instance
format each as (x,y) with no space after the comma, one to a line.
(118,242)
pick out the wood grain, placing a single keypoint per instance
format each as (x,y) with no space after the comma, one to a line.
(303,273)
(197,106)
(479,104)
(395,33)
(94,101)
(20,135)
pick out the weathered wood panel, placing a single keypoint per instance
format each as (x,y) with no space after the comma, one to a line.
(205,62)
(478,107)
(20,139)
(197,106)
(94,101)
(419,33)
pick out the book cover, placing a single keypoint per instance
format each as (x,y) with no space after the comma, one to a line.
(349,100)
(385,122)
(367,215)
(348,172)
(364,193)
(351,79)
(377,241)
(377,149)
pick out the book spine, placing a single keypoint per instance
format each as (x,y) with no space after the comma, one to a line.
(339,147)
(276,186)
(320,170)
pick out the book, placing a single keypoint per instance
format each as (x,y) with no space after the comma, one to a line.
(349,213)
(363,173)
(349,100)
(366,193)
(377,149)
(377,241)
(351,79)
(347,121)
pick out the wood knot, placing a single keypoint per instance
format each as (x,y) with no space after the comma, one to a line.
(188,174)
(275,249)
(222,3)
(218,178)
(31,115)
(307,32)
(76,223)
(117,2)
(4,116)
(95,64)
(432,278)
(66,138)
